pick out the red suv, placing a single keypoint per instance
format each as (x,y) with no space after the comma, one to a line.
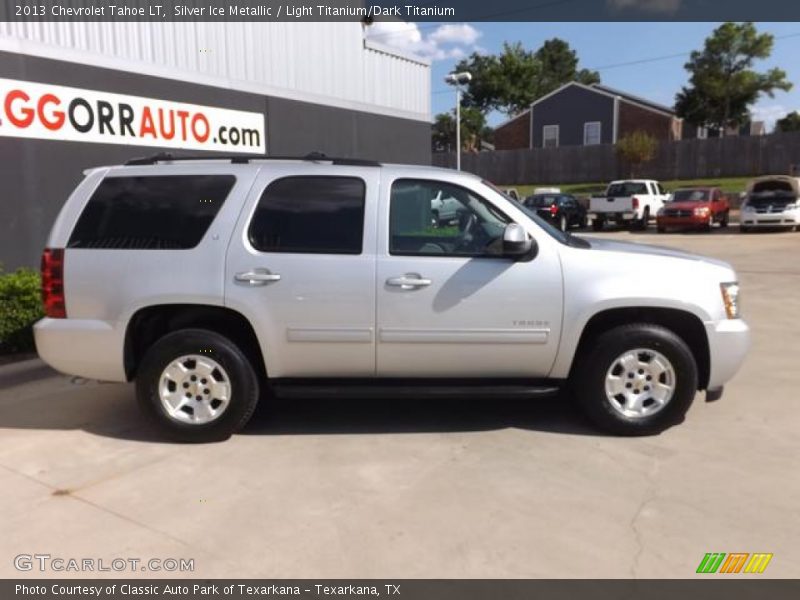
(694,208)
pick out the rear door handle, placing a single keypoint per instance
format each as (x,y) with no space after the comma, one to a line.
(257,277)
(409,281)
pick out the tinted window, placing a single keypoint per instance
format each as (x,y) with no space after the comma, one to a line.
(626,188)
(318,215)
(150,213)
(540,200)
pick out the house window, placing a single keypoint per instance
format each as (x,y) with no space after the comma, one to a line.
(550,136)
(591,133)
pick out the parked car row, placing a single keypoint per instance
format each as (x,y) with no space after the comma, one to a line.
(772,201)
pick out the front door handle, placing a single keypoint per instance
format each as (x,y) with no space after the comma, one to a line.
(257,277)
(409,281)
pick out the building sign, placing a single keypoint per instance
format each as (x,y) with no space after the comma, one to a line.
(53,112)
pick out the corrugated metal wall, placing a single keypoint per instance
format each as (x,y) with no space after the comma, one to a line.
(317,62)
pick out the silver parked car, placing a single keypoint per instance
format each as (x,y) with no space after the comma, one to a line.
(210,282)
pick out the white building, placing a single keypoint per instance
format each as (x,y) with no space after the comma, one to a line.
(78,94)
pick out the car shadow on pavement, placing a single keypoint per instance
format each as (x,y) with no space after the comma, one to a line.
(420,415)
(110,410)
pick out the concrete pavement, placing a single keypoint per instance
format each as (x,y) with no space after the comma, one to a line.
(425,488)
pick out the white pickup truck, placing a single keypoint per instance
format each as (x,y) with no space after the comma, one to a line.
(631,202)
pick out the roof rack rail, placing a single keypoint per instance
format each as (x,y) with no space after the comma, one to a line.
(245,159)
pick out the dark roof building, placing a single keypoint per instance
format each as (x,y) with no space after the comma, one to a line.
(581,115)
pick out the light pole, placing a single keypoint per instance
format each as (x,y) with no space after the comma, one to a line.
(457,80)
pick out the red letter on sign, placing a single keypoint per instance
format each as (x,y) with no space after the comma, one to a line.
(58,115)
(147,127)
(27,113)
(200,117)
(183,114)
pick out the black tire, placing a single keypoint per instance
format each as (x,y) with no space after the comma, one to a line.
(244,386)
(709,224)
(583,222)
(641,224)
(589,378)
(744,229)
(661,229)
(723,222)
(597,224)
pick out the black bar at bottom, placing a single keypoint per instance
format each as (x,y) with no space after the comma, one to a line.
(711,587)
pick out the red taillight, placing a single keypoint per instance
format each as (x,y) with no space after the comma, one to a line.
(635,202)
(53,283)
(553,210)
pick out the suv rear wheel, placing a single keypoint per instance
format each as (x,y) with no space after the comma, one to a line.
(636,380)
(197,386)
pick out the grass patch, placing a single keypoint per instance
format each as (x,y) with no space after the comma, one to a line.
(729,185)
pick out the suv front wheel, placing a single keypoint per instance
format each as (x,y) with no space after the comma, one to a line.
(636,380)
(197,386)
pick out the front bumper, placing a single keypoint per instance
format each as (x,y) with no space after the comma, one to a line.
(682,222)
(83,347)
(728,343)
(788,218)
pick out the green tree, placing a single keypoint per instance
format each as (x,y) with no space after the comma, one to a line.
(500,82)
(723,85)
(790,122)
(559,65)
(511,80)
(636,148)
(473,130)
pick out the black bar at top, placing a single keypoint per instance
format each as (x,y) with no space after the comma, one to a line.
(406,10)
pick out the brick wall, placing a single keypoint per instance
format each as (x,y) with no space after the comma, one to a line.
(635,118)
(514,134)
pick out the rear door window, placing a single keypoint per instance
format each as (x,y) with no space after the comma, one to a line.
(151,213)
(310,215)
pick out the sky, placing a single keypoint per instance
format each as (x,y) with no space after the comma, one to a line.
(600,46)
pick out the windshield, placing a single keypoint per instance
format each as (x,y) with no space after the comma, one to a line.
(690,196)
(626,188)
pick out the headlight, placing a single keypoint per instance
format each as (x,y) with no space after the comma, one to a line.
(748,208)
(701,210)
(730,297)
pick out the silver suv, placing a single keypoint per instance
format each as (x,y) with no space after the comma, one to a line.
(211,282)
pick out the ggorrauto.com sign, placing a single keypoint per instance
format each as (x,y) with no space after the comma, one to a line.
(53,112)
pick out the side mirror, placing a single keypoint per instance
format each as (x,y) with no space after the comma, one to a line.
(516,242)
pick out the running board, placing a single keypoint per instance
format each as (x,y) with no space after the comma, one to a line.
(384,389)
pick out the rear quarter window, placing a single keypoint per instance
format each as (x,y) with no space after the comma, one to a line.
(151,213)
